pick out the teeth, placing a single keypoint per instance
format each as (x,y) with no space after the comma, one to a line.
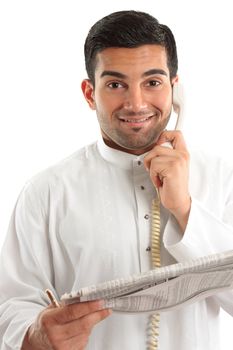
(135,120)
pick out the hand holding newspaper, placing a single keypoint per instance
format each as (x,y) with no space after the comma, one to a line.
(162,288)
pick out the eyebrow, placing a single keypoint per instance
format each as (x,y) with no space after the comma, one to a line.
(123,76)
(154,71)
(113,74)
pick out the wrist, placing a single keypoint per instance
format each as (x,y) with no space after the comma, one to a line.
(26,345)
(32,341)
(181,214)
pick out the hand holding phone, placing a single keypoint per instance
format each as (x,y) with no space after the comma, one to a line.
(169,168)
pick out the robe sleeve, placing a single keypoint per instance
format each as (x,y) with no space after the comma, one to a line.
(25,269)
(210,225)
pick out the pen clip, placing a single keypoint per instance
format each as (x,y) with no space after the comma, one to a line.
(52,298)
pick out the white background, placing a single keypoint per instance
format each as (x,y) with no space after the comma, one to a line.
(43,115)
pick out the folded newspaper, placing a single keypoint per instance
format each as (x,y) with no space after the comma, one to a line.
(162,288)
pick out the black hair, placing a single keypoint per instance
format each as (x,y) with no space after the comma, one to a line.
(128,29)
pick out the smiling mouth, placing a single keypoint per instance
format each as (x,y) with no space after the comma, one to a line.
(135,121)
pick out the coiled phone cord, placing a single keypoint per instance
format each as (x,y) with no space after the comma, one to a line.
(156,262)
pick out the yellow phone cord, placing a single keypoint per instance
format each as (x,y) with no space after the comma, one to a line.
(156,262)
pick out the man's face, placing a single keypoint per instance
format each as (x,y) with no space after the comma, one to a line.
(132,96)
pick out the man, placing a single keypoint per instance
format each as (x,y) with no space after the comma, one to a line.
(87,219)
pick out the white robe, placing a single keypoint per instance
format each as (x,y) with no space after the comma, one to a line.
(87,220)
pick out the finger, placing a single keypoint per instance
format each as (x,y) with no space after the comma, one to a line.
(175,137)
(80,339)
(75,311)
(159,153)
(157,181)
(50,331)
(78,343)
(158,170)
(81,326)
(178,144)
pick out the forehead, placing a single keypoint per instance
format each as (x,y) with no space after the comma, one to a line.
(131,60)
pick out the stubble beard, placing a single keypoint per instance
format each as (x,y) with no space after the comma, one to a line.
(137,139)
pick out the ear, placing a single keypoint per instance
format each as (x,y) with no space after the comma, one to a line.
(175,79)
(88,92)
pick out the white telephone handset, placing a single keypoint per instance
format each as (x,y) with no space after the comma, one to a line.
(178,107)
(178,104)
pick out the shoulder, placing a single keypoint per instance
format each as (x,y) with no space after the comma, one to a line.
(61,174)
(68,166)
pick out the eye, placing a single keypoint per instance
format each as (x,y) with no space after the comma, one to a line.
(153,83)
(115,85)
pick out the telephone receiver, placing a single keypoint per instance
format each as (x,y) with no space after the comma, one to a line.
(178,107)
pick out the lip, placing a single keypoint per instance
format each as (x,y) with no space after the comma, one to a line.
(135,121)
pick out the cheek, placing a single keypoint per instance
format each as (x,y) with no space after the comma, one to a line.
(106,104)
(163,102)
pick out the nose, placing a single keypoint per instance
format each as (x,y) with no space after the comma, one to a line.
(135,99)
